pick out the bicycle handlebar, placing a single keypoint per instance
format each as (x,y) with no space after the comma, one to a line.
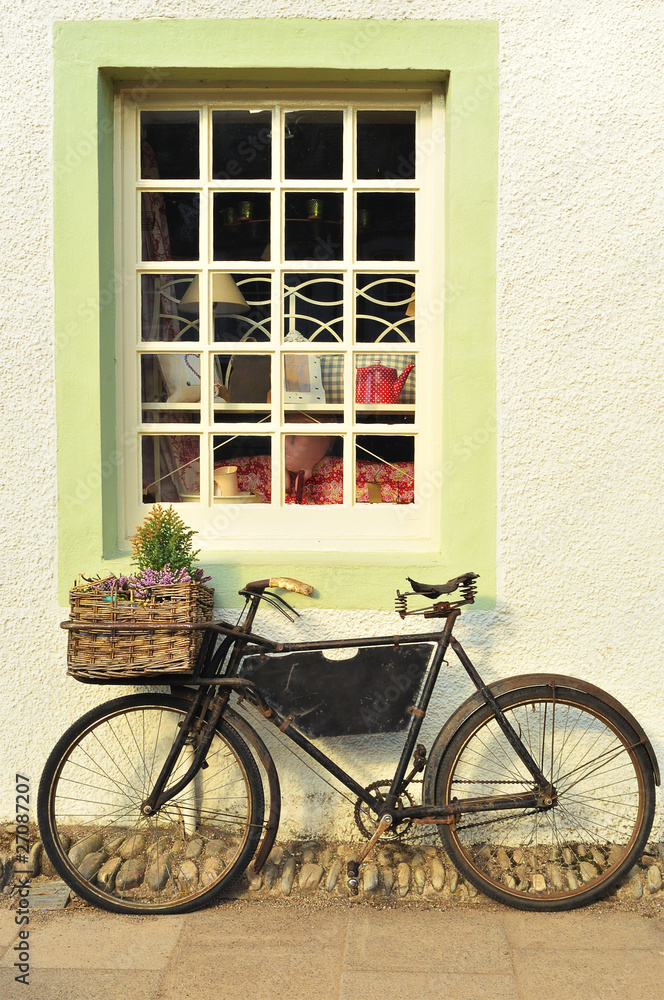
(281,583)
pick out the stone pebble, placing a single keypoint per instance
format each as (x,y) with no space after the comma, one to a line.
(310,876)
(186,873)
(387,878)
(114,845)
(107,873)
(194,848)
(654,879)
(159,872)
(132,847)
(369,875)
(210,871)
(33,867)
(287,876)
(255,879)
(89,845)
(91,864)
(635,887)
(403,878)
(437,874)
(130,875)
(333,874)
(420,880)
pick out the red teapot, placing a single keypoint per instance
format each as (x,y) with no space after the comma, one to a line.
(378,384)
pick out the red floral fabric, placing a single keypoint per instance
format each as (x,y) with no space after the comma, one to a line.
(326,485)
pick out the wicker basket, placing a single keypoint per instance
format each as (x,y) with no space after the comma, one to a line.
(96,653)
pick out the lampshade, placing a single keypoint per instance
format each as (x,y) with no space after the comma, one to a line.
(410,308)
(226,296)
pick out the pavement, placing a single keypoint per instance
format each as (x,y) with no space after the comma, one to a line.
(336,949)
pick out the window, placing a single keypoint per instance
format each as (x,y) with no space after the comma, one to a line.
(279,341)
(97,292)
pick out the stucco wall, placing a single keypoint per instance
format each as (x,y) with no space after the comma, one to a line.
(580,434)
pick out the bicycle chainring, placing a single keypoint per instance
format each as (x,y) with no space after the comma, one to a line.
(366,820)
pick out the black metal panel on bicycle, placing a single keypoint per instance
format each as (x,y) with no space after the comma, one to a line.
(369,692)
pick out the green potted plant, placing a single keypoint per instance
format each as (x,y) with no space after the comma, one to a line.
(167,589)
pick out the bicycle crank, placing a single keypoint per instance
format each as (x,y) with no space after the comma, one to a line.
(366,820)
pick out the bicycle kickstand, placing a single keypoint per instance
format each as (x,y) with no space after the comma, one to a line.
(353,867)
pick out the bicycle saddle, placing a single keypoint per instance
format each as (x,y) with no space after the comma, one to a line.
(433,590)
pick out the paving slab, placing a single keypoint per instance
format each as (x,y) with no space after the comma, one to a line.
(8,929)
(424,986)
(566,974)
(254,972)
(88,940)
(243,952)
(433,942)
(271,927)
(70,984)
(583,929)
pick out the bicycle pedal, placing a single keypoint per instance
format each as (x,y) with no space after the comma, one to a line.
(353,873)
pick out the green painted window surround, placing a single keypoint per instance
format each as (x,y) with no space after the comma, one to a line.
(92,58)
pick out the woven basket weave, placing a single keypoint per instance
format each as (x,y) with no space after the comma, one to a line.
(93,653)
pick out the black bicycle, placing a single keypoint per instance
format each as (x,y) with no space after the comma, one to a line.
(541,787)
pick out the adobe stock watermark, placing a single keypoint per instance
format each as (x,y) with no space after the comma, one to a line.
(22,879)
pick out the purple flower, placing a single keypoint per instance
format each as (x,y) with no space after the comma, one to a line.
(139,586)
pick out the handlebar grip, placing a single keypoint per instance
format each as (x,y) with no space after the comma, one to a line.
(287,583)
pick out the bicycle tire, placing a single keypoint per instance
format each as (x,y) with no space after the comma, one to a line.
(579,849)
(192,850)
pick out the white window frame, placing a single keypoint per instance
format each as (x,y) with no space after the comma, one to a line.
(349,526)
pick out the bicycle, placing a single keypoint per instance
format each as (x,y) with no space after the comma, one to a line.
(542,787)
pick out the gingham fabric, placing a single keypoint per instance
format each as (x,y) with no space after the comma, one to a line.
(332,369)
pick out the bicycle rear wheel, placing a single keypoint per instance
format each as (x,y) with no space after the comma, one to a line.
(577,850)
(183,857)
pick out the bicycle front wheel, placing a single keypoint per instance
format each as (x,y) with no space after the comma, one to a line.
(572,853)
(192,850)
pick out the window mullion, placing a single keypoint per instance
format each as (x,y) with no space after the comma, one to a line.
(276,245)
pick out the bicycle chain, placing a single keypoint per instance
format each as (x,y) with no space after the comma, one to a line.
(478,781)
(396,833)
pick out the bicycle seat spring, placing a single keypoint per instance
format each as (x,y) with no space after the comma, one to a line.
(401,603)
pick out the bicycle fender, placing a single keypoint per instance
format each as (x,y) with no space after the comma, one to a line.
(265,757)
(250,735)
(498,688)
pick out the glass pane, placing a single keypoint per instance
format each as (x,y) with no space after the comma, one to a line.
(171,388)
(386,144)
(384,380)
(314,226)
(242,379)
(385,308)
(332,371)
(313,307)
(314,468)
(241,145)
(169,145)
(167,312)
(249,322)
(384,468)
(241,226)
(313,143)
(386,226)
(169,225)
(170,467)
(250,456)
(313,387)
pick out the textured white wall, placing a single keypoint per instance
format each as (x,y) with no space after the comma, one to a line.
(580,368)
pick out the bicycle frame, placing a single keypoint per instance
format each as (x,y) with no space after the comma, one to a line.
(207,707)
